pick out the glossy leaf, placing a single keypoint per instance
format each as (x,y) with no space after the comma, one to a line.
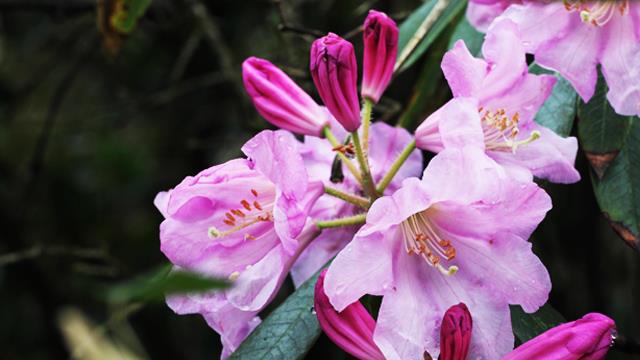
(527,326)
(412,23)
(559,110)
(126,14)
(288,332)
(611,143)
(163,281)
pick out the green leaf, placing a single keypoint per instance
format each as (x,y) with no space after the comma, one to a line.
(527,326)
(158,283)
(127,13)
(412,23)
(473,39)
(559,110)
(611,143)
(288,332)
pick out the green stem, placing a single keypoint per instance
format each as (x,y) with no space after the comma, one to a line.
(366,123)
(350,198)
(345,221)
(345,160)
(368,184)
(396,166)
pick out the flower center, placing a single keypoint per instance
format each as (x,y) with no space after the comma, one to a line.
(249,213)
(500,131)
(422,238)
(597,13)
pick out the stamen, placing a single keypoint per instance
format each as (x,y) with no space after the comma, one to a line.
(257,205)
(500,131)
(598,13)
(238,219)
(234,276)
(254,192)
(246,204)
(421,238)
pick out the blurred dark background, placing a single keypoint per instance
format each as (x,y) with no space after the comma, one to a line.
(89,135)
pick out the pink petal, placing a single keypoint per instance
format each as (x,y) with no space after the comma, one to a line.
(621,66)
(574,56)
(257,284)
(425,294)
(481,15)
(550,157)
(362,267)
(504,52)
(534,25)
(464,175)
(464,73)
(458,125)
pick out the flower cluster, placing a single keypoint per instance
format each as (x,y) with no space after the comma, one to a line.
(446,248)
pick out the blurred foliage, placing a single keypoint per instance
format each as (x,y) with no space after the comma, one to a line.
(87,140)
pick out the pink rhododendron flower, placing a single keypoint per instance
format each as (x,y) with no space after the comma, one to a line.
(455,333)
(243,220)
(481,13)
(380,36)
(387,143)
(351,329)
(588,338)
(335,73)
(280,100)
(457,235)
(495,101)
(574,37)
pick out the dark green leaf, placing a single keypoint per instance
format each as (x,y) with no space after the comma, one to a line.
(472,37)
(288,332)
(158,283)
(611,142)
(408,28)
(527,326)
(559,110)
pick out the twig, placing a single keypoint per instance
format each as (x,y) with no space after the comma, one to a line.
(286,26)
(186,54)
(59,94)
(40,250)
(187,86)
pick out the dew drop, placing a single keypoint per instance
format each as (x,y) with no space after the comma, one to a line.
(312,310)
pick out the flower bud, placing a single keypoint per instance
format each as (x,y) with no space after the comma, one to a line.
(351,329)
(335,73)
(380,49)
(279,100)
(587,338)
(455,333)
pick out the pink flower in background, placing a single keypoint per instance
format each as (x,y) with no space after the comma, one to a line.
(457,235)
(455,333)
(335,73)
(481,13)
(581,36)
(242,220)
(495,101)
(588,338)
(380,36)
(387,143)
(280,100)
(351,329)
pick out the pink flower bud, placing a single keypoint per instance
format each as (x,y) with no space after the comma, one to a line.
(335,73)
(455,333)
(279,100)
(380,50)
(588,338)
(351,329)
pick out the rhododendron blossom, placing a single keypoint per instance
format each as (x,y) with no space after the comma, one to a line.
(386,143)
(573,37)
(457,235)
(242,220)
(495,101)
